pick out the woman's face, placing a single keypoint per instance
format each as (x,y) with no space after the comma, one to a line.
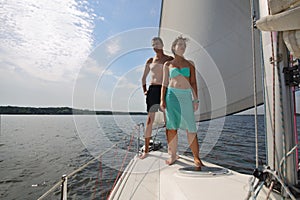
(180,47)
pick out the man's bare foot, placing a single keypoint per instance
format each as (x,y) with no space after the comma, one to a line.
(198,163)
(171,160)
(144,155)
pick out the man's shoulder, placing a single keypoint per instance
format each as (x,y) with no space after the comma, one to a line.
(168,58)
(150,60)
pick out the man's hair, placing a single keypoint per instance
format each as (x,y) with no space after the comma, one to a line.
(159,39)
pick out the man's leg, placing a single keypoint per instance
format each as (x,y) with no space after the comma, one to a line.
(148,132)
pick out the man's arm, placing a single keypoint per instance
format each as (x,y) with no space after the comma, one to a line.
(145,74)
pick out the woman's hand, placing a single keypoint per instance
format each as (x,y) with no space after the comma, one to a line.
(196,106)
(163,105)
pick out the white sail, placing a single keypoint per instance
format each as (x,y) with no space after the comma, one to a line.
(220,46)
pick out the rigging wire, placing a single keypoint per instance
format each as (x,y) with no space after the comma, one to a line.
(253,17)
(78,170)
(99,178)
(111,172)
(122,165)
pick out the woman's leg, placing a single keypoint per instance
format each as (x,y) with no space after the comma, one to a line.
(168,140)
(172,146)
(194,145)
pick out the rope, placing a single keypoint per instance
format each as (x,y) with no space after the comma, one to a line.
(76,171)
(282,184)
(88,163)
(99,174)
(111,172)
(50,190)
(251,188)
(270,190)
(122,165)
(254,81)
(288,154)
(254,189)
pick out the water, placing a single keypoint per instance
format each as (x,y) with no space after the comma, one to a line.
(35,151)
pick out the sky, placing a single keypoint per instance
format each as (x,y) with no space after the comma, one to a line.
(46,48)
(86,54)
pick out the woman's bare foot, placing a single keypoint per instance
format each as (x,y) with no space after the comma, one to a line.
(171,160)
(144,155)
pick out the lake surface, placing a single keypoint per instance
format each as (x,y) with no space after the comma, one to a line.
(35,151)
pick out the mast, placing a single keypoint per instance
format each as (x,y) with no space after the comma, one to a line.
(279,105)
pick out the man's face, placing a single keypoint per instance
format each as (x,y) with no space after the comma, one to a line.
(157,45)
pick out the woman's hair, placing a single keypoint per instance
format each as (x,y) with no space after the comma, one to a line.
(159,39)
(176,40)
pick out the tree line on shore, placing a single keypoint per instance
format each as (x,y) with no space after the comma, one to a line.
(16,110)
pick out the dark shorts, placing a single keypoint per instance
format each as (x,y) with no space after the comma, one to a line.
(153,98)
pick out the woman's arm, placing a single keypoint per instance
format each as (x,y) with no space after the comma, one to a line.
(165,83)
(193,82)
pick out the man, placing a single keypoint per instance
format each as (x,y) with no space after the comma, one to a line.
(154,66)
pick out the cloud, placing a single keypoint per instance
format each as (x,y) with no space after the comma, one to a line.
(140,69)
(46,39)
(101,18)
(153,12)
(124,82)
(92,71)
(113,47)
(91,66)
(131,79)
(127,95)
(25,90)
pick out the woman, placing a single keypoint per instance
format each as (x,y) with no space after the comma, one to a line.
(178,87)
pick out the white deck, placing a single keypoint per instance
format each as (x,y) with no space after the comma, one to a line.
(152,179)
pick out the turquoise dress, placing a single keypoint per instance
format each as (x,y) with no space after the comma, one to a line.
(179,105)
